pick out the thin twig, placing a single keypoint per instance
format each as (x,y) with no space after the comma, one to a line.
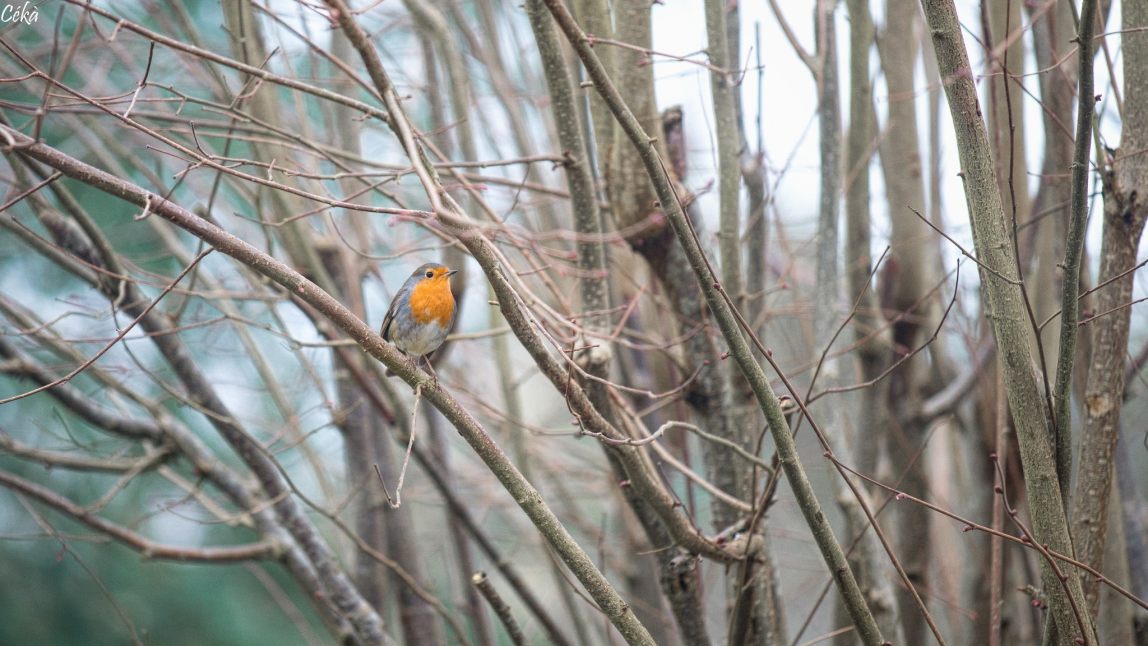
(1027,537)
(410,446)
(964,251)
(970,525)
(897,364)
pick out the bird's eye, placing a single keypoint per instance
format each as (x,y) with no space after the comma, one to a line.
(430,273)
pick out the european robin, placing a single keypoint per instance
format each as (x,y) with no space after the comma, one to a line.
(422,312)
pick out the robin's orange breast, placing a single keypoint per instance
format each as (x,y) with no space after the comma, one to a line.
(432,301)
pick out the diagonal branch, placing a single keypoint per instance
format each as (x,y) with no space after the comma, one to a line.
(143,545)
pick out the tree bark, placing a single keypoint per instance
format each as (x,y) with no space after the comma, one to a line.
(1125,211)
(1005,308)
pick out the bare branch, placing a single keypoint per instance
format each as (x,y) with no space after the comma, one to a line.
(146,547)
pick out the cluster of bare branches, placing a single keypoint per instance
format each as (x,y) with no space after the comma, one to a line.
(206,206)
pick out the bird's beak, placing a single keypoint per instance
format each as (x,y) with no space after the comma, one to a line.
(451,273)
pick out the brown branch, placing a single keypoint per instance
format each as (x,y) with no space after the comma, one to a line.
(899,362)
(972,525)
(965,252)
(1027,537)
(58,459)
(147,548)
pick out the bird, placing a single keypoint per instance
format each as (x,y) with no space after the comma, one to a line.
(421,313)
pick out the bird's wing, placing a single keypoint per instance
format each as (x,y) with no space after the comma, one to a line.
(385,330)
